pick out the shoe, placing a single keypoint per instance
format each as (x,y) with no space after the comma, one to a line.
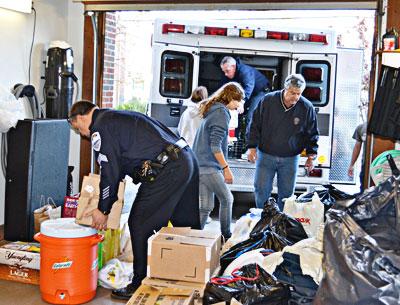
(209,219)
(124,293)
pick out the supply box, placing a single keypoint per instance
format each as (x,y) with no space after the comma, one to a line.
(149,295)
(20,254)
(19,274)
(89,199)
(183,254)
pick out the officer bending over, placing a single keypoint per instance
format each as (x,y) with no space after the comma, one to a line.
(131,143)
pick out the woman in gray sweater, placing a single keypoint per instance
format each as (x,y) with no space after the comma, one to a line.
(210,146)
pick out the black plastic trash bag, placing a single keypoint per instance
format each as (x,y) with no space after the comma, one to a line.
(284,225)
(265,239)
(362,250)
(328,194)
(250,285)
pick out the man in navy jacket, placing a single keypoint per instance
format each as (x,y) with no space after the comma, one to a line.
(253,82)
(283,125)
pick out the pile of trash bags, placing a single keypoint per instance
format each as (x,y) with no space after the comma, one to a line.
(351,258)
(362,248)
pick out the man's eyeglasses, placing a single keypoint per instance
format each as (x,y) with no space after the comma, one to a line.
(70,119)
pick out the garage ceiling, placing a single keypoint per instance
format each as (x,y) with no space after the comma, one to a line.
(113,5)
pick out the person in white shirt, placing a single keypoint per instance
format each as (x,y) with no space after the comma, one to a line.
(190,119)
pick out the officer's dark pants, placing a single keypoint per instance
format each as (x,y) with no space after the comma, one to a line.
(174,195)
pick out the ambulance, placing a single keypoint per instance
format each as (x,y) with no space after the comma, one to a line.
(187,54)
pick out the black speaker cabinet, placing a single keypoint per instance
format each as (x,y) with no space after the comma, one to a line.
(37,166)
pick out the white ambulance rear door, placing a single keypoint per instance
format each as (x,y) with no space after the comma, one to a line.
(175,75)
(319,71)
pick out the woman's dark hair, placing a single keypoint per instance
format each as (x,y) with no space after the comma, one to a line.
(80,108)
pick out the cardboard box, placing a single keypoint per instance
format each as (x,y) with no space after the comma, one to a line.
(89,199)
(198,288)
(20,254)
(17,274)
(183,254)
(148,295)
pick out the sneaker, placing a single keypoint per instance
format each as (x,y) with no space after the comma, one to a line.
(124,293)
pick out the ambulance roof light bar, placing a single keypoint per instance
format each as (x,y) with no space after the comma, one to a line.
(245,33)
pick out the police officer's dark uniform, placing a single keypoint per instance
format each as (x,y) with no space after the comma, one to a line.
(127,142)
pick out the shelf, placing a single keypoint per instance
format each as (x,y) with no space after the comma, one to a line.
(391,59)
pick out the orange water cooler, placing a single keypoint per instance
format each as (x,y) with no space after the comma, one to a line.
(68,261)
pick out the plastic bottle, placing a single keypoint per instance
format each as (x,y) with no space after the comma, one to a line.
(390,40)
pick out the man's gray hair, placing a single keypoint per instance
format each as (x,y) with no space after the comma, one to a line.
(228,60)
(295,81)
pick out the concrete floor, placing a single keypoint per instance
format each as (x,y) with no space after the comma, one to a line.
(13,293)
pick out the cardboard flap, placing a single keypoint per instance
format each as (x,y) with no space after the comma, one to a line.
(196,241)
(175,291)
(148,295)
(175,230)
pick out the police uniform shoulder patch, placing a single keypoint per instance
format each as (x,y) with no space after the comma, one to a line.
(96,141)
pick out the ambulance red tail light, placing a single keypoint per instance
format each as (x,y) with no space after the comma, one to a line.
(316,172)
(174,65)
(278,35)
(173,28)
(174,85)
(318,38)
(313,94)
(215,31)
(313,74)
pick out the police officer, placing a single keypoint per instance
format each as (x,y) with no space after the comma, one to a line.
(127,142)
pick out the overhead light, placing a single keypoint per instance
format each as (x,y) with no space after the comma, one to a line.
(24,6)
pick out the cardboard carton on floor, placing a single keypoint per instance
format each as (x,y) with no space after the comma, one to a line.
(183,254)
(89,199)
(19,274)
(149,295)
(198,288)
(22,254)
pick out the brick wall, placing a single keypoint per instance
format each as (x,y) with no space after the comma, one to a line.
(109,61)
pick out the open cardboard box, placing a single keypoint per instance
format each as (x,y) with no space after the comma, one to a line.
(89,199)
(198,288)
(149,295)
(183,254)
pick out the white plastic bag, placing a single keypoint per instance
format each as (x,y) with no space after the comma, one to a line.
(11,110)
(115,274)
(125,245)
(242,228)
(310,214)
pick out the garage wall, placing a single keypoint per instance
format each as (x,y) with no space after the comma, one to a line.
(56,20)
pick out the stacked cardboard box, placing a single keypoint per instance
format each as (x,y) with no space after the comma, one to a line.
(180,260)
(20,262)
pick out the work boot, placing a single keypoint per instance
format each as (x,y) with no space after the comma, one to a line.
(124,293)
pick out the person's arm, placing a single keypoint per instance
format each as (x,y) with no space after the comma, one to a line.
(107,156)
(228,176)
(218,131)
(354,157)
(312,139)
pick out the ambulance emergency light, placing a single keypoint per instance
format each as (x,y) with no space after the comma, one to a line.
(245,33)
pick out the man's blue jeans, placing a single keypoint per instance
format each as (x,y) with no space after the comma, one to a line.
(266,167)
(211,184)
